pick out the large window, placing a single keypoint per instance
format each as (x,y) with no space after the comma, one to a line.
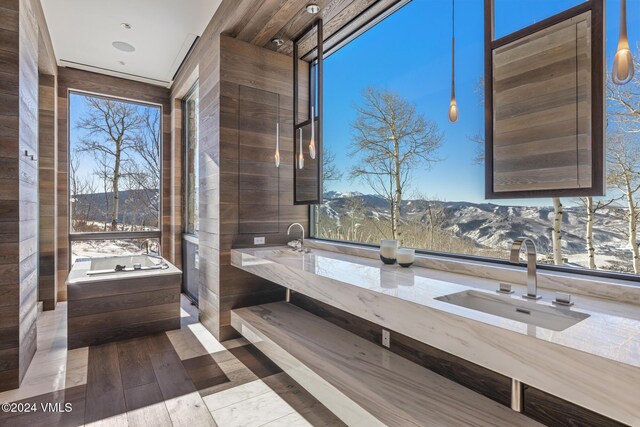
(114,174)
(190,110)
(383,91)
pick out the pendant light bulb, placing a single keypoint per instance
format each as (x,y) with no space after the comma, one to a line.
(277,156)
(312,143)
(453,111)
(453,106)
(623,68)
(300,156)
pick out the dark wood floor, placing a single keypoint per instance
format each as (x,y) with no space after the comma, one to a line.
(183,377)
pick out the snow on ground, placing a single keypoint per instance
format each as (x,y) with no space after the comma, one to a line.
(102,248)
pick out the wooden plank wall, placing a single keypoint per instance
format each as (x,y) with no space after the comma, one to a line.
(204,64)
(28,182)
(47,164)
(177,207)
(258,182)
(72,79)
(251,67)
(47,147)
(223,287)
(220,73)
(9,195)
(18,189)
(62,195)
(542,117)
(209,193)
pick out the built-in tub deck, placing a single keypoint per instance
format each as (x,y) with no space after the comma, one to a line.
(106,305)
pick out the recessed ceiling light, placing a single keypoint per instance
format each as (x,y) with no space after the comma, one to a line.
(313,8)
(126,25)
(277,41)
(123,46)
(121,62)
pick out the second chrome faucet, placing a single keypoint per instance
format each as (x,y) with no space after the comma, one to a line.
(532,279)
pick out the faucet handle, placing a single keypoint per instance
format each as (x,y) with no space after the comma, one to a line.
(563,298)
(505,288)
(294,244)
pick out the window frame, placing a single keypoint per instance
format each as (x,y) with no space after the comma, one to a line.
(112,235)
(185,150)
(313,221)
(315,102)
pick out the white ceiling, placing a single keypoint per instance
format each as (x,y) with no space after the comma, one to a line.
(82,32)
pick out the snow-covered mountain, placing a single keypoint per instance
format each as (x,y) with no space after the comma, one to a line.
(495,226)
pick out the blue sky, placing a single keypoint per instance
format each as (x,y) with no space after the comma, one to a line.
(410,52)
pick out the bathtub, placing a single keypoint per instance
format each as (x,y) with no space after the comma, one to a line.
(121,297)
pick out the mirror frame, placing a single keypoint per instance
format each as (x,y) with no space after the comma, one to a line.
(319,60)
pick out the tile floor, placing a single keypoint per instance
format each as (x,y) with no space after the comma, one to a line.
(183,377)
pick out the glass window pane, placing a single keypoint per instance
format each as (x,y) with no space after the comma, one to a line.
(120,247)
(441,204)
(191,114)
(114,165)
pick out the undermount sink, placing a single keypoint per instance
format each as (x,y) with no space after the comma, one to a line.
(532,313)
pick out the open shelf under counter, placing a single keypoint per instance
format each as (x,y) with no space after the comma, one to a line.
(594,363)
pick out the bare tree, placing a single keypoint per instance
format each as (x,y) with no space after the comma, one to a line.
(623,151)
(111,129)
(623,109)
(556,232)
(392,139)
(104,171)
(436,216)
(75,188)
(81,189)
(623,159)
(355,213)
(144,173)
(479,155)
(478,138)
(330,172)
(592,207)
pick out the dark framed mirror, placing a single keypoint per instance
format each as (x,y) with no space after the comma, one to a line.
(307,121)
(544,106)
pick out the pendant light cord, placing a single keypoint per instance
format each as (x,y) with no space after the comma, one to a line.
(453,17)
(453,49)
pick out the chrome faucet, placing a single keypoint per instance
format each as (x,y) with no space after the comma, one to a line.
(301,248)
(532,279)
(148,243)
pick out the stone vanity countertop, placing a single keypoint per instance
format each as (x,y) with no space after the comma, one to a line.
(611,331)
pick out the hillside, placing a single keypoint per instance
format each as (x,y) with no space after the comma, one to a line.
(489,227)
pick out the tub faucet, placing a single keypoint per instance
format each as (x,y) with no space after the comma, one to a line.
(301,247)
(532,279)
(148,251)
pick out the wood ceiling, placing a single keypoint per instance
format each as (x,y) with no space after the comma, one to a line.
(288,20)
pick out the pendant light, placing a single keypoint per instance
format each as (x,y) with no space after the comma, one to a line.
(453,106)
(300,156)
(312,143)
(622,71)
(277,155)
